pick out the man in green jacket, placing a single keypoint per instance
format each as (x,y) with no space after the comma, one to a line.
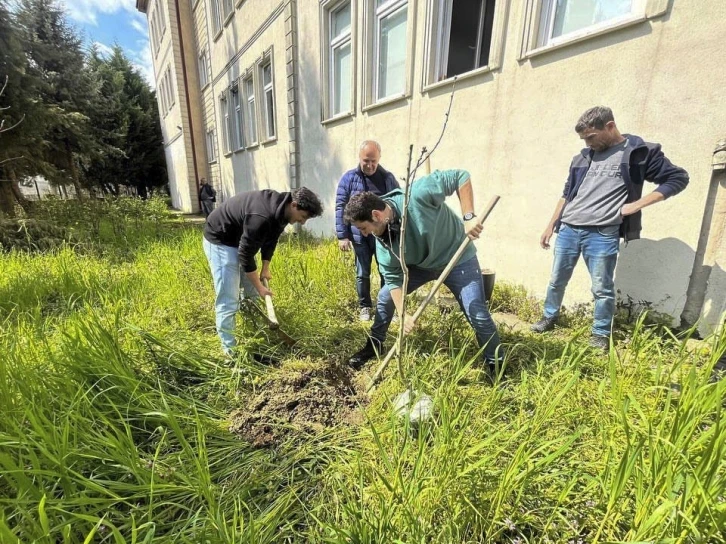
(433,234)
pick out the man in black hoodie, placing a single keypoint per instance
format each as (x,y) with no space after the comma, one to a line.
(242,226)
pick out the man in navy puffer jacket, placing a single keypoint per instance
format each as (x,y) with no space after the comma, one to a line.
(367,176)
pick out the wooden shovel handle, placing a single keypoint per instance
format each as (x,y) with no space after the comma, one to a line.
(439,282)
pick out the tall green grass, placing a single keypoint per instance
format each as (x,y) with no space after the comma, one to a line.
(114,399)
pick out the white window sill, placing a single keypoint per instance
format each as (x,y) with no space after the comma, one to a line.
(229,18)
(573,38)
(239,150)
(466,75)
(269,141)
(213,161)
(386,101)
(218,34)
(253,145)
(204,87)
(337,117)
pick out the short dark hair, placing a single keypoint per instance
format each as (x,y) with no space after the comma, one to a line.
(307,201)
(360,207)
(596,117)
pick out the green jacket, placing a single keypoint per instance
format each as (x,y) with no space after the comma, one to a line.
(433,231)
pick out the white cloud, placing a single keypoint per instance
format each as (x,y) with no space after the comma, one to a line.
(86,11)
(103,49)
(142,61)
(139,26)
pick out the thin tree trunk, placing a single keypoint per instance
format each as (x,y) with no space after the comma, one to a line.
(74,172)
(19,196)
(7,198)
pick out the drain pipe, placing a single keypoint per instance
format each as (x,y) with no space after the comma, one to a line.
(711,241)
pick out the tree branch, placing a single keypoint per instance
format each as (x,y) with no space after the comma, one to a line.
(12,127)
(12,159)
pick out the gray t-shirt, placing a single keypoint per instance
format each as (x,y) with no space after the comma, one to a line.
(602,193)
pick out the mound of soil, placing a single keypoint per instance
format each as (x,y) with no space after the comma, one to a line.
(298,402)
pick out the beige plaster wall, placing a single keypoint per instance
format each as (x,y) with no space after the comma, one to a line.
(513,130)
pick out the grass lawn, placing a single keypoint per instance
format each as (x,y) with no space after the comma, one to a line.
(122,422)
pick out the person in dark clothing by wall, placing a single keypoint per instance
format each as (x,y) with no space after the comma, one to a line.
(235,232)
(600,204)
(368,176)
(207,197)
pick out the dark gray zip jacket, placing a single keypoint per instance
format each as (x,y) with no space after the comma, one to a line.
(642,161)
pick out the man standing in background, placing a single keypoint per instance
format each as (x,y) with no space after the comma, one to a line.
(368,176)
(207,197)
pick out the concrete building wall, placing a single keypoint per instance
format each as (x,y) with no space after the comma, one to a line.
(511,124)
(512,128)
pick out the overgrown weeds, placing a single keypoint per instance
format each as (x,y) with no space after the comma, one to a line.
(116,400)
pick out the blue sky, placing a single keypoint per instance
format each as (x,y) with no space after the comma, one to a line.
(106,22)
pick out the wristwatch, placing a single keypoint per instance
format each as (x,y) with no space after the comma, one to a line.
(469,216)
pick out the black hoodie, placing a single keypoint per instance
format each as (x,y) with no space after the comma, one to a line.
(250,221)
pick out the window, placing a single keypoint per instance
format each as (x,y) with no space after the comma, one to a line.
(226,126)
(339,59)
(169,85)
(162,19)
(268,93)
(154,37)
(228,8)
(462,37)
(550,23)
(216,16)
(204,75)
(251,126)
(562,17)
(161,92)
(389,59)
(238,120)
(211,147)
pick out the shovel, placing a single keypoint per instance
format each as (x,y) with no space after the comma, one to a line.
(271,318)
(439,282)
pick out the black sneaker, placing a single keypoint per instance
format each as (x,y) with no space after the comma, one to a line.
(543,325)
(371,350)
(600,342)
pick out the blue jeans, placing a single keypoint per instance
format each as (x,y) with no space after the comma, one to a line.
(364,253)
(465,282)
(224,263)
(599,247)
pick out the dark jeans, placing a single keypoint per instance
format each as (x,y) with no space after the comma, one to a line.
(467,285)
(364,253)
(207,207)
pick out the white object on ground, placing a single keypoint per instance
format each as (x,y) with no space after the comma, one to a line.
(415,406)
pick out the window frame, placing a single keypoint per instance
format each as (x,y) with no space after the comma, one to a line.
(238,116)
(217,18)
(225,122)
(642,11)
(204,69)
(250,102)
(211,146)
(372,24)
(329,44)
(266,115)
(434,37)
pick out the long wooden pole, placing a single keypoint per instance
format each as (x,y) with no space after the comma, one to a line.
(439,282)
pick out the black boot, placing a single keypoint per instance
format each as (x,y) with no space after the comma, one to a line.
(372,349)
(543,325)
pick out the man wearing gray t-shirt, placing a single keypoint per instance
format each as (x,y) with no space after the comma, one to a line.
(600,204)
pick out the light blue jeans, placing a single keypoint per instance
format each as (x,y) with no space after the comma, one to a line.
(599,247)
(466,283)
(224,263)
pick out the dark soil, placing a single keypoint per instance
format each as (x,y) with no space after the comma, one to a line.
(301,403)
